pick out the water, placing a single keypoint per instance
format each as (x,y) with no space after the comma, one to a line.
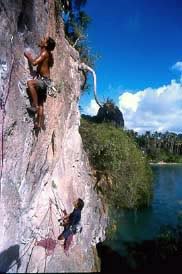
(165,209)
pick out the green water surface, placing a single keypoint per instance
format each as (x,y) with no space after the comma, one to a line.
(165,209)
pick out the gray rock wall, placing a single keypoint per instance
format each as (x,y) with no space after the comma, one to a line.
(32,162)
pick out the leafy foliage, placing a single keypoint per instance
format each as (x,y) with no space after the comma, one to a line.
(113,153)
(76,22)
(109,112)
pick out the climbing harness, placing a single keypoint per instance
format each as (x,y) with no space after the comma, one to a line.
(51,90)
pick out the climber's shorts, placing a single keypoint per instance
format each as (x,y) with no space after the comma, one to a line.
(42,84)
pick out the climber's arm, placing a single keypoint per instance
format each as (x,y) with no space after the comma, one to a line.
(38,60)
(66,219)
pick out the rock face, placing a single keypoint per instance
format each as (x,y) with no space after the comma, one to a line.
(38,169)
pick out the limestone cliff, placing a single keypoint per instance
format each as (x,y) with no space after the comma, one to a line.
(30,161)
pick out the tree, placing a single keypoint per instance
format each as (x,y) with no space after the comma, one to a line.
(109,112)
(76,23)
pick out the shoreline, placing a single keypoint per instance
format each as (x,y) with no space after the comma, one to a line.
(164,163)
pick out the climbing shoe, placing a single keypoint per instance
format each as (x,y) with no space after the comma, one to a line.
(32,109)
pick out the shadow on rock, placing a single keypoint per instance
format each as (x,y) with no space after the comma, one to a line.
(8,257)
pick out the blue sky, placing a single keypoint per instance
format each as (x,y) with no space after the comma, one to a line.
(140,43)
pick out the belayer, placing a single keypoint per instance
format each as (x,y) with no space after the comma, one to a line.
(37,88)
(70,223)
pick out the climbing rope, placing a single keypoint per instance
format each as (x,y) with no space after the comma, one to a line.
(49,240)
(3,102)
(46,242)
(45,261)
(30,256)
(24,253)
(58,202)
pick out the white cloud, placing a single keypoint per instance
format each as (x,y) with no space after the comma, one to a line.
(92,108)
(178,66)
(153,109)
(131,101)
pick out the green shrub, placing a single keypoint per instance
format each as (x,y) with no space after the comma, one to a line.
(112,152)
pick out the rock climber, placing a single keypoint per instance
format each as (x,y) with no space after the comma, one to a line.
(37,88)
(66,4)
(70,223)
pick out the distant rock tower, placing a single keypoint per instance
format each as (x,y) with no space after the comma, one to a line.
(109,112)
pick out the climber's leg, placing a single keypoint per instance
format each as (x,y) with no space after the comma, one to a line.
(42,95)
(40,115)
(33,94)
(61,237)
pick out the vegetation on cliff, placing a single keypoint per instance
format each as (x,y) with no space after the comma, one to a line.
(76,22)
(122,173)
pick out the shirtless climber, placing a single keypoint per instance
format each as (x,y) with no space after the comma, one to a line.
(37,87)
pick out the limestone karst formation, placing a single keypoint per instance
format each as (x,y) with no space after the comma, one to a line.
(31,162)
